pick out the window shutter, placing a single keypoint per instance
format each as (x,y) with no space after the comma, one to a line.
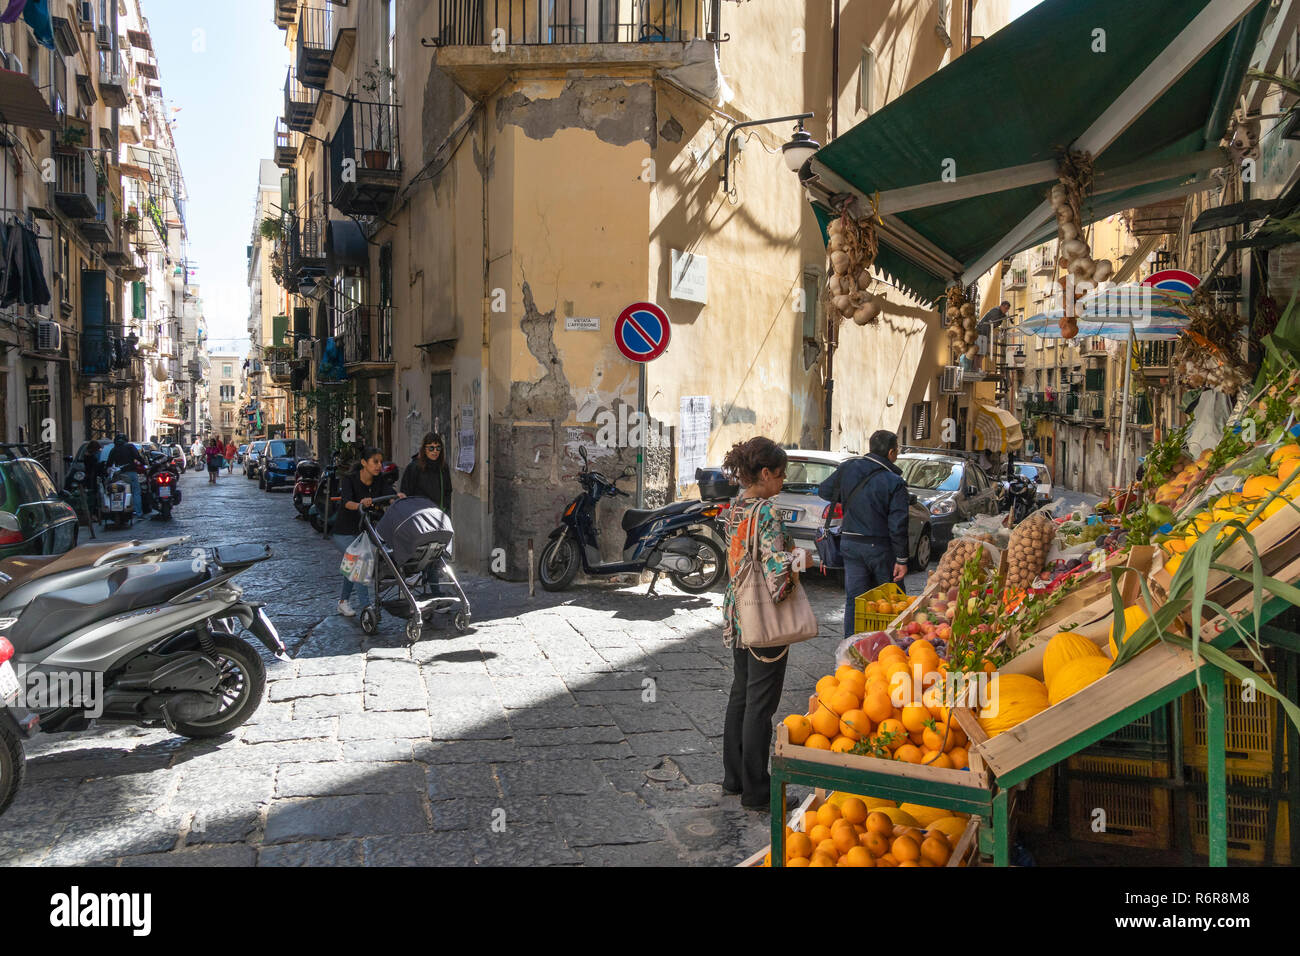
(138,300)
(94,294)
(302,321)
(279,326)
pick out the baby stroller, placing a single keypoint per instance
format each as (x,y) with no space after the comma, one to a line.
(412,536)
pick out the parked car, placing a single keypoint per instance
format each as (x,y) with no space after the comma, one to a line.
(1039,475)
(38,521)
(253,458)
(279,462)
(240,453)
(951,488)
(803,511)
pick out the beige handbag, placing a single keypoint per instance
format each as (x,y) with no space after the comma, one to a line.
(765,623)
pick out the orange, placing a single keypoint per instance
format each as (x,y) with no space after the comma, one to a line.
(827,849)
(935,758)
(897,667)
(903,688)
(825,722)
(820,860)
(960,758)
(905,849)
(855,682)
(937,737)
(875,671)
(909,863)
(884,607)
(797,844)
(859,856)
(892,731)
(876,843)
(818,742)
(827,814)
(798,861)
(908,753)
(843,670)
(855,724)
(887,860)
(935,850)
(891,653)
(877,822)
(818,834)
(853,810)
(842,745)
(843,701)
(1283,453)
(826,687)
(920,646)
(809,820)
(799,727)
(1260,486)
(845,839)
(877,706)
(917,738)
(1286,469)
(914,717)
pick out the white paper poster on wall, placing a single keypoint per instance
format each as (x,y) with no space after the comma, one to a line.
(465,450)
(688,277)
(693,436)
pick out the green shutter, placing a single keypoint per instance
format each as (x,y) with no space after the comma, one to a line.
(138,300)
(1095,380)
(279,327)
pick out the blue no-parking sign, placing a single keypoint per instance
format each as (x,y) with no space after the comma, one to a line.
(642,331)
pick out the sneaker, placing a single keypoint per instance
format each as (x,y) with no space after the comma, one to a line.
(346,609)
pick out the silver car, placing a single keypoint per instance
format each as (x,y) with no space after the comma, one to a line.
(803,511)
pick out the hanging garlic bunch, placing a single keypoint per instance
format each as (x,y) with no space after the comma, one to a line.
(1082,272)
(851,244)
(962,323)
(1199,367)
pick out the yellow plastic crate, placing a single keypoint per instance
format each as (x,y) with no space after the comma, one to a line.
(1251,727)
(864,620)
(1247,819)
(1137,813)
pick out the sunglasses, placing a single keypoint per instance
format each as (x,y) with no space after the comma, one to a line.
(433,448)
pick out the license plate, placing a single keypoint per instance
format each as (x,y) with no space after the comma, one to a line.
(787,514)
(9,686)
(164,492)
(119,502)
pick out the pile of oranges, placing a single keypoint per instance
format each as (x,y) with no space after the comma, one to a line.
(895,705)
(849,834)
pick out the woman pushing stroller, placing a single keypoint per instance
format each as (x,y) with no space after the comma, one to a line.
(428,476)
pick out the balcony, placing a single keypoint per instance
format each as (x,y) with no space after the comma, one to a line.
(76,185)
(114,80)
(1091,345)
(1139,410)
(367,338)
(315,39)
(1017,278)
(1044,263)
(1155,356)
(285,11)
(484,40)
(1092,406)
(279,364)
(103,227)
(304,249)
(299,103)
(104,351)
(365,159)
(286,145)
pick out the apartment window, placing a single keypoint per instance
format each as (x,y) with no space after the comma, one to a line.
(866,80)
(227,370)
(920,421)
(1047,442)
(1051,377)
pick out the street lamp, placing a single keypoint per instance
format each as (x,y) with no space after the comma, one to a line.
(800,148)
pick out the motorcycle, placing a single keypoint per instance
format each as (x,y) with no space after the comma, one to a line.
(673,540)
(717,488)
(305,475)
(1018,496)
(78,492)
(164,487)
(143,643)
(116,501)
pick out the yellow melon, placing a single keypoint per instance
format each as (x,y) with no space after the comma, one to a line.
(924,816)
(1012,698)
(951,827)
(1075,675)
(1064,647)
(898,816)
(1134,616)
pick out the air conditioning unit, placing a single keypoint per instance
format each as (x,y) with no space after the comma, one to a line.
(304,348)
(49,336)
(950,380)
(104,36)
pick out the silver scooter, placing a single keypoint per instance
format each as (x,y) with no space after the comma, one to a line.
(148,643)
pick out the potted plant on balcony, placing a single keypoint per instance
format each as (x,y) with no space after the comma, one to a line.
(378,83)
(272,228)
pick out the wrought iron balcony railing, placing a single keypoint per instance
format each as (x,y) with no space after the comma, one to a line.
(367,335)
(365,158)
(541,22)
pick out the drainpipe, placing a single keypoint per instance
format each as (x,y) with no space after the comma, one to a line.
(835,73)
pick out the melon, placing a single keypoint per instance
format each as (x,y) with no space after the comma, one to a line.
(900,818)
(878,803)
(1134,616)
(1065,647)
(1012,698)
(924,816)
(951,827)
(1075,675)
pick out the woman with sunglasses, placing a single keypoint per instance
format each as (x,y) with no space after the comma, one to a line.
(428,476)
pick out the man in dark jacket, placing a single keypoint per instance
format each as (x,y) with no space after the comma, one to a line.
(123,455)
(875,502)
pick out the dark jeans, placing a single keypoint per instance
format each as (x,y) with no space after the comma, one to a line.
(747,735)
(865,566)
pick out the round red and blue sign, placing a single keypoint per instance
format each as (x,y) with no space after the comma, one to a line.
(642,331)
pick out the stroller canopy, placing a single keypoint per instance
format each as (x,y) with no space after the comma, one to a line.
(411,523)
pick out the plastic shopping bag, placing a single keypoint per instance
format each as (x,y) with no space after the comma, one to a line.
(359,560)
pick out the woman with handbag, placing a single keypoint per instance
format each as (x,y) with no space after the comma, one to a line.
(356,491)
(764,611)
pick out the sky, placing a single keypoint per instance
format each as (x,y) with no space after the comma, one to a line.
(222,66)
(1020,7)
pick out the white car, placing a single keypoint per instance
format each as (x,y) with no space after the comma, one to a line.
(803,511)
(1039,475)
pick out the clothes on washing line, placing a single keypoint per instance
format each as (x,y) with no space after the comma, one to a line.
(22,273)
(13,11)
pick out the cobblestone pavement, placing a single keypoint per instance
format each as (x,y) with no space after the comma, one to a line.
(578,728)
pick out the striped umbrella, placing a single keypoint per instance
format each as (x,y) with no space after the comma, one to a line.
(1115,312)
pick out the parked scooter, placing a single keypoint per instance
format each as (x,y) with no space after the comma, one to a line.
(146,644)
(164,490)
(305,475)
(117,500)
(80,493)
(1018,496)
(717,488)
(672,540)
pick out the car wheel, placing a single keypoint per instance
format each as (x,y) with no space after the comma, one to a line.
(921,556)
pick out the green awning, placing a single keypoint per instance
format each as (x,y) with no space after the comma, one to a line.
(1018,99)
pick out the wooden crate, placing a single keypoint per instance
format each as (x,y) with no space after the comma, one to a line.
(964,853)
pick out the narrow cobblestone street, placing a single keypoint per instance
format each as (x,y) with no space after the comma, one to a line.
(575,728)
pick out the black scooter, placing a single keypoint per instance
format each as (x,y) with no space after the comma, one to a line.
(162,488)
(672,540)
(80,491)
